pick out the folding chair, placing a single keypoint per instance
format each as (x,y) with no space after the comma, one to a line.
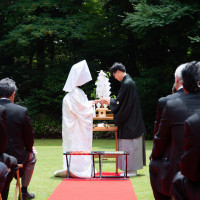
(18,184)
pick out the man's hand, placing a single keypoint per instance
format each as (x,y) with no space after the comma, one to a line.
(104,100)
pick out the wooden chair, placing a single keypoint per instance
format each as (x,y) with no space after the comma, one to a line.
(18,184)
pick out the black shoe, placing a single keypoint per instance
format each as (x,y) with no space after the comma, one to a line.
(28,196)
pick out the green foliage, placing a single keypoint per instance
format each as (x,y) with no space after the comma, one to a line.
(93,93)
(147,17)
(48,98)
(108,74)
(41,40)
(46,126)
(153,84)
(164,30)
(195,39)
(52,23)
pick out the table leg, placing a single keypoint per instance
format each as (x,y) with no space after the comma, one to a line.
(68,167)
(126,165)
(125,168)
(116,147)
(93,167)
(101,156)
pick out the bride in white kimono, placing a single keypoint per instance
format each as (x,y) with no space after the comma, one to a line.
(77,122)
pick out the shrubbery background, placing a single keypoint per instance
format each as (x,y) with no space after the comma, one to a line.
(41,40)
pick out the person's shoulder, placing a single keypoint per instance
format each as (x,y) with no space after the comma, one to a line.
(174,95)
(191,97)
(76,94)
(193,122)
(170,97)
(178,101)
(166,98)
(128,80)
(19,107)
(2,111)
(2,108)
(184,101)
(193,119)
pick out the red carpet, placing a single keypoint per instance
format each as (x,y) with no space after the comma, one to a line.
(94,189)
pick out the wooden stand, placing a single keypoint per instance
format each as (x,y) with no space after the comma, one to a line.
(109,127)
(101,112)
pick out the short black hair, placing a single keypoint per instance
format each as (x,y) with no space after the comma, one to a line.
(7,87)
(117,66)
(190,76)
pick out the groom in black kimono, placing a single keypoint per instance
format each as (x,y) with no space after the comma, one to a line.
(128,117)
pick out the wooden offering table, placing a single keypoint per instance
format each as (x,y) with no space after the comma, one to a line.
(108,127)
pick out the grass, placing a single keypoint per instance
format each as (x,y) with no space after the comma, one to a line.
(49,159)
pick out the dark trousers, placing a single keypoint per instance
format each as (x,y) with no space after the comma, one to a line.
(10,162)
(3,175)
(184,189)
(155,172)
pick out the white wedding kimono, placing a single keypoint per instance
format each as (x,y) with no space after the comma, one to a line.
(77,128)
(77,122)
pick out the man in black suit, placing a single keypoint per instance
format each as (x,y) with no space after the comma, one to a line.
(6,159)
(163,100)
(20,133)
(168,141)
(186,184)
(3,134)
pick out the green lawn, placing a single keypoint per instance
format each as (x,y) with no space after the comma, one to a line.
(49,159)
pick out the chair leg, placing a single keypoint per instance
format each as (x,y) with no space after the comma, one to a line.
(18,187)
(0,197)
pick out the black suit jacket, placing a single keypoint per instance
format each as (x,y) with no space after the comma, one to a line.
(127,111)
(168,142)
(3,134)
(161,105)
(19,130)
(190,160)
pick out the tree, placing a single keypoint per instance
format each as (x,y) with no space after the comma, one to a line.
(164,30)
(41,40)
(39,37)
